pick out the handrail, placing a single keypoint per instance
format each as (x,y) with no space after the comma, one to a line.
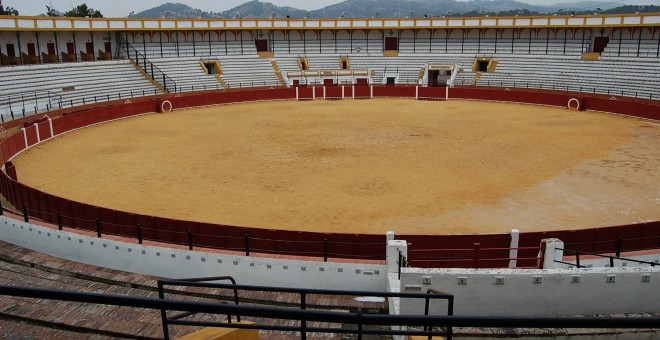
(147,66)
(450,310)
(185,282)
(353,318)
(610,257)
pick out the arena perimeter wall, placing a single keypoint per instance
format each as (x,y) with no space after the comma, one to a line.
(494,248)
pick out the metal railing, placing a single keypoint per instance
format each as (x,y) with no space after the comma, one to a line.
(357,319)
(303,294)
(32,103)
(321,248)
(578,253)
(554,87)
(167,83)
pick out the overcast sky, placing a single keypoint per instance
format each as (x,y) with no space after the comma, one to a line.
(121,8)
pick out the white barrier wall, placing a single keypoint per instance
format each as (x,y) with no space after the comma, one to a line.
(537,292)
(175,263)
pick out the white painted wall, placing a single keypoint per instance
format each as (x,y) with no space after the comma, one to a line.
(173,263)
(555,295)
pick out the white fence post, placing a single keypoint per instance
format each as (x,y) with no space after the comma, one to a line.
(513,248)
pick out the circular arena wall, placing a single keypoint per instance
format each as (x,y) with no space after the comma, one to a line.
(362,246)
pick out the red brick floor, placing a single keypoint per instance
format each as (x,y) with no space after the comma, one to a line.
(22,318)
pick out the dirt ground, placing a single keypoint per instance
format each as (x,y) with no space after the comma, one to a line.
(364,166)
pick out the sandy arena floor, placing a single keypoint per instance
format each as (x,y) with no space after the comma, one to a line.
(364,166)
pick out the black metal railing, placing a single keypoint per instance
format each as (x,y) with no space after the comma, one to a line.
(357,319)
(167,83)
(555,87)
(611,258)
(321,248)
(32,103)
(303,294)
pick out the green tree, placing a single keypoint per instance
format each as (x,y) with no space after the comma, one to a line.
(83,10)
(8,11)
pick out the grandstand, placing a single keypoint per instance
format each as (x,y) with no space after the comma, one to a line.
(60,75)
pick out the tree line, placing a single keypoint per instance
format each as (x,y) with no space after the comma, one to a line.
(81,10)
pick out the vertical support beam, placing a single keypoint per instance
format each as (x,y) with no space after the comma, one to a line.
(446,92)
(353,91)
(513,248)
(20,49)
(75,46)
(297,96)
(57,47)
(566,38)
(496,32)
(529,49)
(323,91)
(194,46)
(144,44)
(547,41)
(416,92)
(479,41)
(639,41)
(620,37)
(176,35)
(160,42)
(36,36)
(513,40)
(584,32)
(372,92)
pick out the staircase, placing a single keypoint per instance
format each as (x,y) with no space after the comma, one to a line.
(217,71)
(278,72)
(146,75)
(476,79)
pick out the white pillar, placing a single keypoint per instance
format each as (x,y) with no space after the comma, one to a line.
(25,137)
(372,92)
(389,235)
(324,92)
(297,98)
(393,249)
(313,93)
(342,92)
(513,248)
(554,250)
(353,91)
(36,127)
(50,123)
(446,92)
(416,92)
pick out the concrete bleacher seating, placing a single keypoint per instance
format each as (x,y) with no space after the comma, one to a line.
(632,48)
(492,46)
(50,86)
(247,71)
(187,73)
(198,49)
(635,77)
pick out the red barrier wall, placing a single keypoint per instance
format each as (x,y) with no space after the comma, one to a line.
(456,250)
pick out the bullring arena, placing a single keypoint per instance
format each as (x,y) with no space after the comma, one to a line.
(327,176)
(363,167)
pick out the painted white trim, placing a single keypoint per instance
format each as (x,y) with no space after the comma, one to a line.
(178,263)
(576,101)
